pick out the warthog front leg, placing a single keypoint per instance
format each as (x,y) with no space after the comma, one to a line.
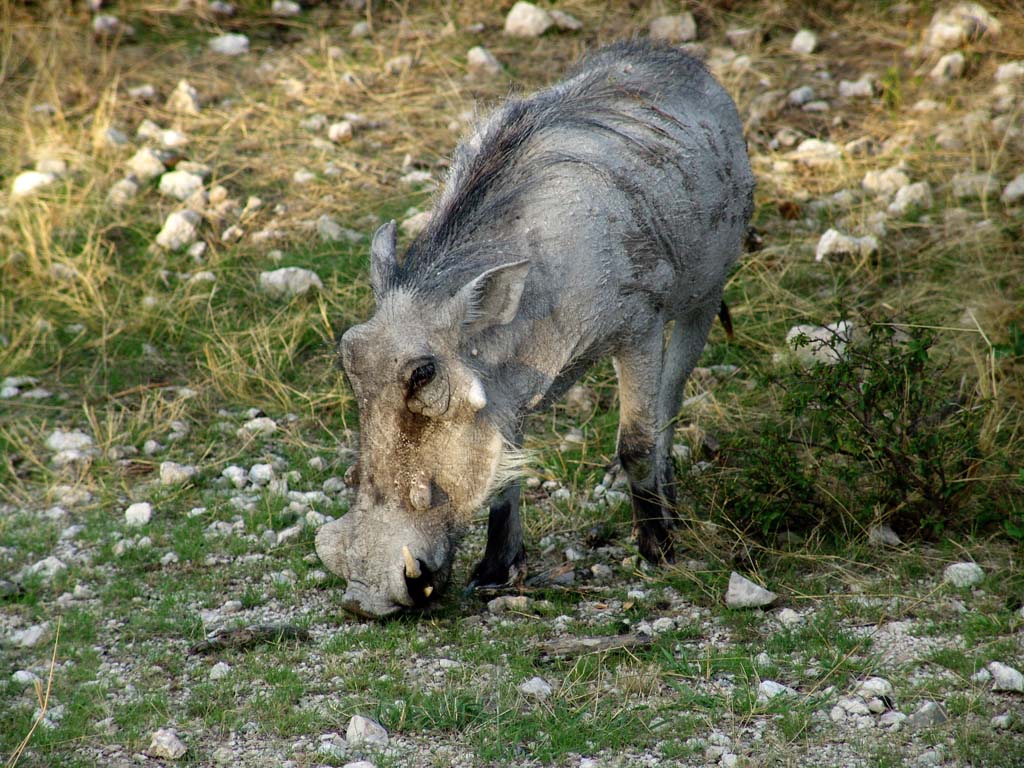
(504,560)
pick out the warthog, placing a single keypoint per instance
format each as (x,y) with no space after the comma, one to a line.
(575,224)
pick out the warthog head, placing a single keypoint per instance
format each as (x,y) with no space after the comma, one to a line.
(430,454)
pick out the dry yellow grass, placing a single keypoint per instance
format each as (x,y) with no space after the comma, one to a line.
(71,261)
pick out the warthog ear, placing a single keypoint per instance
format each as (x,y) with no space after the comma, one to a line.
(382,258)
(493,297)
(427,389)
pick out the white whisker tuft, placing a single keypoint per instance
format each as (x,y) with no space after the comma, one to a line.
(512,465)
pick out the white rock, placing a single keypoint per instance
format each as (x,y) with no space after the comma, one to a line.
(52,165)
(1002,722)
(290,281)
(827,343)
(362,730)
(527,20)
(315,122)
(166,744)
(172,139)
(340,132)
(261,474)
(1010,72)
(416,223)
(565,21)
(788,617)
(232,234)
(144,92)
(219,670)
(303,176)
(146,164)
(169,558)
(138,514)
(883,535)
(1005,678)
(229,44)
(66,458)
(180,184)
(674,29)
(184,99)
(172,473)
(854,705)
(63,440)
(835,243)
(949,67)
(30,182)
(122,192)
(201,170)
(261,425)
(105,24)
(816,153)
(663,624)
(891,719)
(963,574)
(285,8)
(115,137)
(964,21)
(913,196)
(981,676)
(179,230)
(398,65)
(480,61)
(360,29)
(1013,193)
(743,593)
(929,714)
(769,689)
(537,687)
(330,231)
(800,96)
(509,604)
(48,567)
(874,687)
(804,42)
(29,637)
(416,177)
(287,534)
(360,764)
(25,678)
(61,272)
(885,182)
(861,88)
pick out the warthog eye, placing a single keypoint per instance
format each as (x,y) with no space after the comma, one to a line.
(422,375)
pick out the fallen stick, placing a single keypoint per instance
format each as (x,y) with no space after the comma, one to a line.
(579,646)
(246,637)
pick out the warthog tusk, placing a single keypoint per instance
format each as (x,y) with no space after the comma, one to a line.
(428,591)
(412,568)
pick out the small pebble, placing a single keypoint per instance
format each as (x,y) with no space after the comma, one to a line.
(138,514)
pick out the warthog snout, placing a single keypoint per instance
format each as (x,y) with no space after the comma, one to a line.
(388,568)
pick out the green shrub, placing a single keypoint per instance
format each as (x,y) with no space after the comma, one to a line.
(883,435)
